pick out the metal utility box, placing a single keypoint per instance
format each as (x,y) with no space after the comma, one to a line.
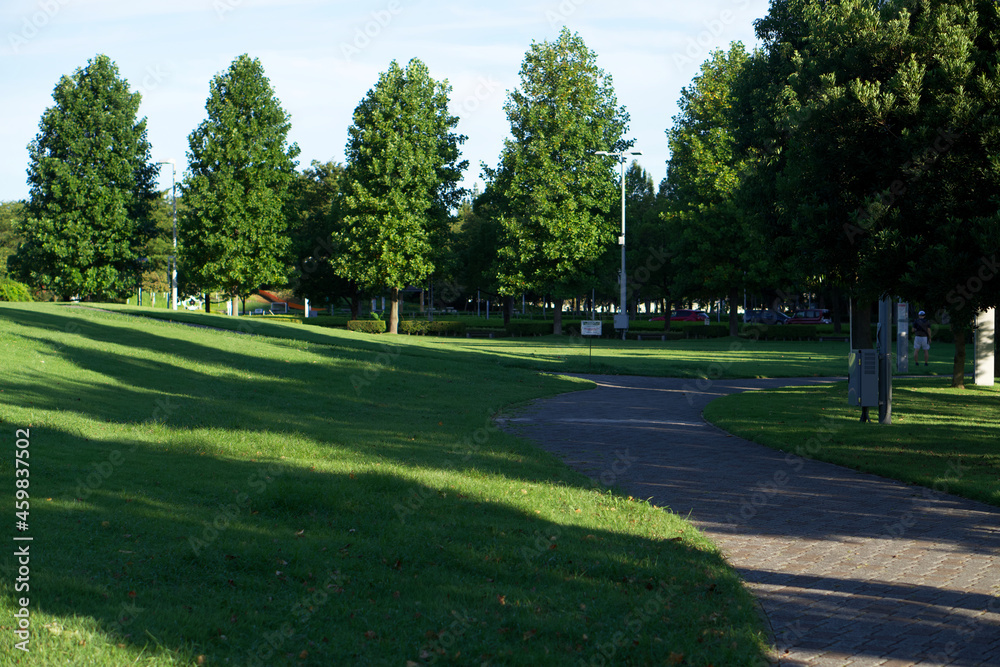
(862,379)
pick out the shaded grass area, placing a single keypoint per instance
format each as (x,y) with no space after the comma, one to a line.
(321,497)
(940,437)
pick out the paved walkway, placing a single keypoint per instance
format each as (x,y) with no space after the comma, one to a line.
(852,569)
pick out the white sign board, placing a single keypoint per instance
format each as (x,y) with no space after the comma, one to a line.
(590,328)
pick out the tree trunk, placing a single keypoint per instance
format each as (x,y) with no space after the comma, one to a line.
(734,324)
(208,302)
(861,330)
(996,343)
(508,308)
(557,318)
(958,367)
(667,311)
(393,325)
(355,305)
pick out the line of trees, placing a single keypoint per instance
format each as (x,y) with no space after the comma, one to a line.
(852,154)
(854,151)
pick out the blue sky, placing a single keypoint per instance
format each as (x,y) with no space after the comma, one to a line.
(322,58)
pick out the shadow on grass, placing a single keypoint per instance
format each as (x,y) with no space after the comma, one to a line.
(379,399)
(266,563)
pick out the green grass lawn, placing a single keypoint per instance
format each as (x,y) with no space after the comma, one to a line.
(705,358)
(940,437)
(712,358)
(317,497)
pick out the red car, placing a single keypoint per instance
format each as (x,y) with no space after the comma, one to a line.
(811,316)
(685,316)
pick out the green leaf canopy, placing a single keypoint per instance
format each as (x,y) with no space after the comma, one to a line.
(91,189)
(234,229)
(559,198)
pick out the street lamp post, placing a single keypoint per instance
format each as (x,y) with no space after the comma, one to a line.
(621,319)
(173,258)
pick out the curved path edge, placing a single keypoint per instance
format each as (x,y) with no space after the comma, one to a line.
(850,568)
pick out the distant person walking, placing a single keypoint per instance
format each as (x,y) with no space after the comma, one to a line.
(921,338)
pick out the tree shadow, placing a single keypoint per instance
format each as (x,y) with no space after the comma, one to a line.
(331,394)
(270,563)
(935,625)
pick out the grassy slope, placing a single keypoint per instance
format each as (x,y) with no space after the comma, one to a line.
(327,500)
(940,437)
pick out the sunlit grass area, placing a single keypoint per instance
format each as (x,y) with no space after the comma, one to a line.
(731,357)
(316,497)
(689,358)
(940,437)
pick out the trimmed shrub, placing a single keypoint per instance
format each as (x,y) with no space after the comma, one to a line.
(327,321)
(423,327)
(412,327)
(367,326)
(446,327)
(530,328)
(11,290)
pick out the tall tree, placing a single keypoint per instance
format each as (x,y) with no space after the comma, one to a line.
(887,116)
(234,231)
(702,178)
(943,247)
(558,198)
(401,185)
(91,188)
(11,221)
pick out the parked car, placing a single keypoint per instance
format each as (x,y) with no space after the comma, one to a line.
(768,317)
(811,316)
(685,316)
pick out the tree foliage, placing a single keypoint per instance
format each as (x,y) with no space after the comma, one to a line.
(713,241)
(881,148)
(234,233)
(11,221)
(316,221)
(400,182)
(91,188)
(556,199)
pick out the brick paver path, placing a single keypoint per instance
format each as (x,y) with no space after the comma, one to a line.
(852,569)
